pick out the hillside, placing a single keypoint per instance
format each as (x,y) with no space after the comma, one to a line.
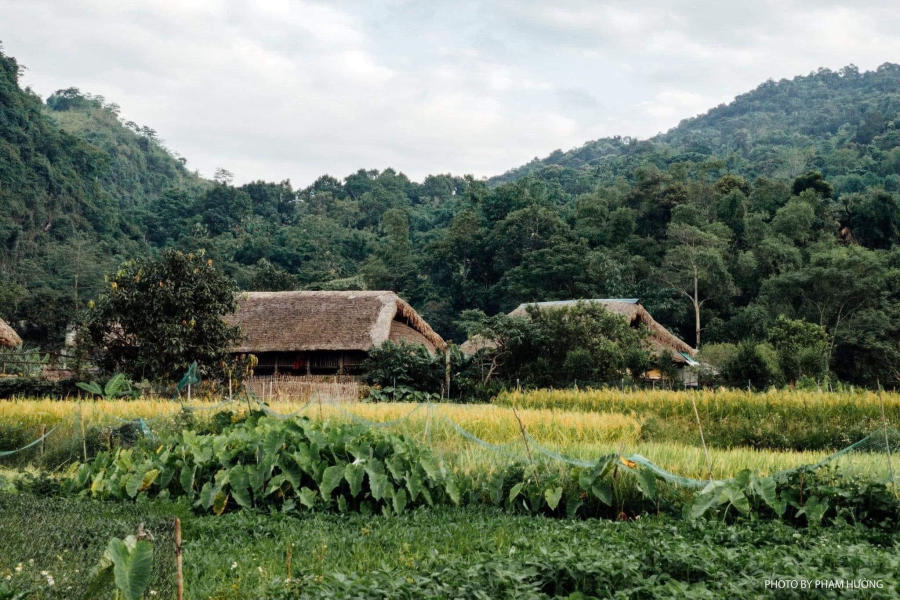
(843,124)
(74,182)
(139,168)
(786,200)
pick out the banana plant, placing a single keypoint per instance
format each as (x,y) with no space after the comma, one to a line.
(117,386)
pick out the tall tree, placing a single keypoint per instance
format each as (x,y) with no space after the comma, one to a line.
(160,315)
(695,266)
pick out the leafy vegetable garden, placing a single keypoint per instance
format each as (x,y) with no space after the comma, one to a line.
(377,465)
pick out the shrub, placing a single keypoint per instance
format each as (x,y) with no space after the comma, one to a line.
(752,365)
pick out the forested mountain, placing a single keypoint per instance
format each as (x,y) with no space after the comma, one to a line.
(73,183)
(783,202)
(839,123)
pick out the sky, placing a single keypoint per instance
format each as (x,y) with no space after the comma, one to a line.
(280,89)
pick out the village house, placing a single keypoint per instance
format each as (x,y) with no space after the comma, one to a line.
(324,332)
(661,340)
(8,337)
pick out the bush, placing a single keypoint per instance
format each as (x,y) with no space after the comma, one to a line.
(36,388)
(752,365)
(408,368)
(556,347)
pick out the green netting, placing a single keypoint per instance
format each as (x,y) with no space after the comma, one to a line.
(190,378)
(27,446)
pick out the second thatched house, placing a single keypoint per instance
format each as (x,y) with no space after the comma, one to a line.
(306,333)
(8,337)
(660,339)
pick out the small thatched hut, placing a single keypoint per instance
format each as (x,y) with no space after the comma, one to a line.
(8,337)
(324,332)
(660,338)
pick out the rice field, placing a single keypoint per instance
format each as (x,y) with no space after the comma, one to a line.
(584,435)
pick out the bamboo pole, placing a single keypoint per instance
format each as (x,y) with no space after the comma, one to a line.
(887,442)
(83,438)
(179,575)
(527,447)
(702,439)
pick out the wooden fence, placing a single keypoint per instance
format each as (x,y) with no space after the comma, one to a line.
(325,388)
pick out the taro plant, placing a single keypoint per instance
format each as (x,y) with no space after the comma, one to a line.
(127,564)
(282,464)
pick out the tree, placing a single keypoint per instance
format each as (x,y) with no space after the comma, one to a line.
(751,366)
(875,219)
(801,347)
(836,284)
(223,176)
(160,315)
(554,347)
(695,267)
(812,180)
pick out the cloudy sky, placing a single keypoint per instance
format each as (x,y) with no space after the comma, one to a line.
(280,89)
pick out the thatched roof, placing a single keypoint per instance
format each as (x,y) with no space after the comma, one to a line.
(660,338)
(8,337)
(327,320)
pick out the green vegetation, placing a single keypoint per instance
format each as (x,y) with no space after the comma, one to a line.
(777,420)
(458,552)
(584,342)
(161,315)
(74,535)
(784,202)
(335,505)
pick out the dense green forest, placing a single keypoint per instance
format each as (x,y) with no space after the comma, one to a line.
(785,201)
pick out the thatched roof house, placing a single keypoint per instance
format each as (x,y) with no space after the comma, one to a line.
(8,337)
(629,308)
(324,331)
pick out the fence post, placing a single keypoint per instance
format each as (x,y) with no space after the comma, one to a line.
(179,576)
(887,441)
(702,439)
(527,448)
(447,371)
(43,433)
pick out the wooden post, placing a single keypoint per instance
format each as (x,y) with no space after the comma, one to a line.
(447,371)
(287,562)
(83,438)
(702,440)
(887,441)
(527,448)
(43,433)
(179,576)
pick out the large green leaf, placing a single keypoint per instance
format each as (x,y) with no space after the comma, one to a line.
(380,485)
(354,474)
(431,468)
(552,496)
(220,502)
(515,491)
(737,497)
(132,565)
(91,388)
(399,500)
(308,497)
(603,492)
(765,488)
(331,478)
(186,479)
(646,480)
(239,483)
(452,489)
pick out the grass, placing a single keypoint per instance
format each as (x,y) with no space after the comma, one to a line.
(584,435)
(439,552)
(776,419)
